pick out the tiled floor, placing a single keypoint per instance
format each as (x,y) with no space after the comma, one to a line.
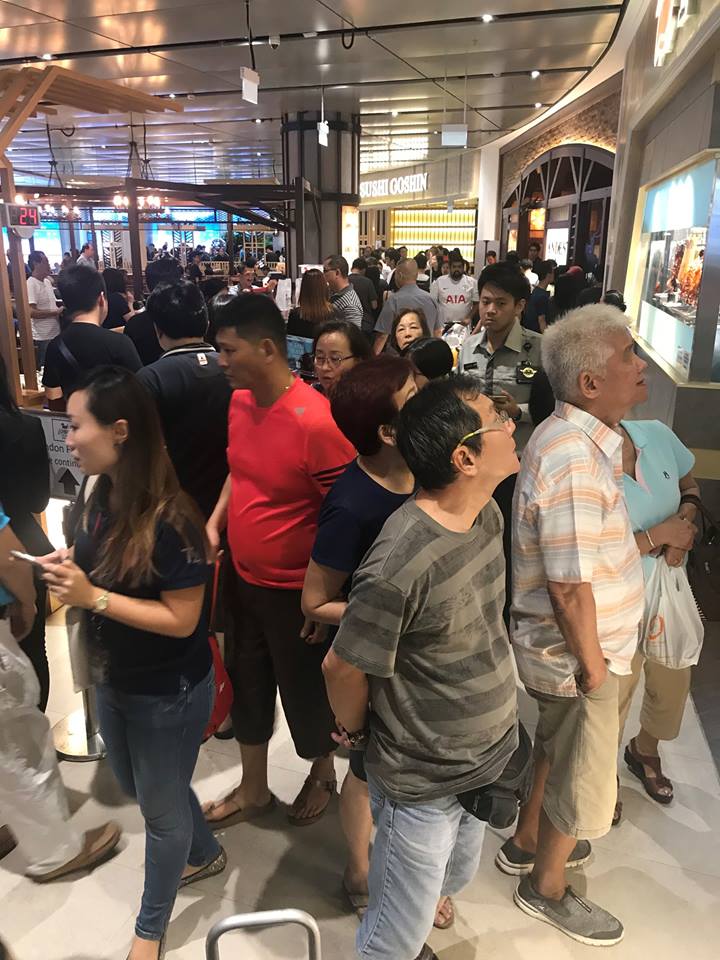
(659,871)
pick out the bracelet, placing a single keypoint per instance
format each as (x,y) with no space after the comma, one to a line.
(650,540)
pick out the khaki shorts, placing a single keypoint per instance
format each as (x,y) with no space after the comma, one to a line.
(578,735)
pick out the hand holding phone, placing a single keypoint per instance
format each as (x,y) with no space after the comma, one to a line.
(28,558)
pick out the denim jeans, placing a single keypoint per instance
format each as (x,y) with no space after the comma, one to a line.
(152,745)
(421,852)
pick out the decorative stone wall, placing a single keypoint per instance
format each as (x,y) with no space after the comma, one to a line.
(596,125)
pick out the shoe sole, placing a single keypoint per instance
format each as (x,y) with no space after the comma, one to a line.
(521,870)
(538,915)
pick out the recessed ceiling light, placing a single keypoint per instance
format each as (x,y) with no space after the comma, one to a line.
(535,74)
(47,56)
(537,106)
(258,154)
(258,120)
(396,113)
(172,96)
(311,34)
(487,18)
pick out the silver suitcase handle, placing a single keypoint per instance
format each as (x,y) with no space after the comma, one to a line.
(265,918)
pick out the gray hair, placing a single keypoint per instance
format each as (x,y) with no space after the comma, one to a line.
(578,343)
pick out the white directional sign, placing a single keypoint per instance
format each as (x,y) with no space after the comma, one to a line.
(65,475)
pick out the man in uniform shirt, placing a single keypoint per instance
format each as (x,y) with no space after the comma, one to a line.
(506,357)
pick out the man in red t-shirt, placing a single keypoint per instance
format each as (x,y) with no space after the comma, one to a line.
(284,453)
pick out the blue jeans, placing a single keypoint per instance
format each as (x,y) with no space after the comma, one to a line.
(152,744)
(421,853)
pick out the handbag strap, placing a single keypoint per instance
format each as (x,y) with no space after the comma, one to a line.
(216,581)
(705,513)
(68,357)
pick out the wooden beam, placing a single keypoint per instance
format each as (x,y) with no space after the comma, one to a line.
(22,306)
(31,99)
(8,345)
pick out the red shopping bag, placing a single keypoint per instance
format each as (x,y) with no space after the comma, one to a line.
(223,686)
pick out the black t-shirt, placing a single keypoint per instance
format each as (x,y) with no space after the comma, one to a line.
(91,346)
(351,517)
(118,306)
(297,326)
(141,331)
(537,306)
(193,395)
(365,289)
(24,477)
(137,661)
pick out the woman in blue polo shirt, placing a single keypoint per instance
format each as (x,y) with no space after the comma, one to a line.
(658,481)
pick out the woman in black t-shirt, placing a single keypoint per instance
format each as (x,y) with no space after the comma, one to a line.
(139,569)
(120,307)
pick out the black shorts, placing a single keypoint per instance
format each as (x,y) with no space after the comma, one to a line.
(357,764)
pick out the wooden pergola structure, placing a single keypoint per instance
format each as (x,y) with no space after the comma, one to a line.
(25,93)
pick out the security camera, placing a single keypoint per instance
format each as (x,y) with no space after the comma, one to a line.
(274,42)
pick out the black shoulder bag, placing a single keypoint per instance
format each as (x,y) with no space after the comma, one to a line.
(703,567)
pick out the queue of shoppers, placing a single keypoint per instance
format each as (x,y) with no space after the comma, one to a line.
(400,538)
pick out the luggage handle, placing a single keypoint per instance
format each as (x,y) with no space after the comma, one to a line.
(264,918)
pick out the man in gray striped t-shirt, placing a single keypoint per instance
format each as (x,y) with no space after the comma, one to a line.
(423,641)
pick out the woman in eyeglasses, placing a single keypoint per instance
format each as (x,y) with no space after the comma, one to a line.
(338,347)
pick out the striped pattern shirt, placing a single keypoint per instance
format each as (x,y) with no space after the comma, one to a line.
(424,622)
(347,306)
(570,525)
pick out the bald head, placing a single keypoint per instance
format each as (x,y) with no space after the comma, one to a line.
(406,272)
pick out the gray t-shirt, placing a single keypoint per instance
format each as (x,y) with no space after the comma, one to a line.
(408,297)
(424,622)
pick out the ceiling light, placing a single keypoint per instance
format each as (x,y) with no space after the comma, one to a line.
(537,106)
(46,56)
(172,96)
(310,35)
(19,198)
(535,74)
(258,120)
(258,154)
(396,113)
(487,18)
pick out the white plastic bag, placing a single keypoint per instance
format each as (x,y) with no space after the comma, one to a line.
(672,631)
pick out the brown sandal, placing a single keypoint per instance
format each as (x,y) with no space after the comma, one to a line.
(617,812)
(329,785)
(637,763)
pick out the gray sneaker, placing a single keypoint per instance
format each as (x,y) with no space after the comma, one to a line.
(580,919)
(517,863)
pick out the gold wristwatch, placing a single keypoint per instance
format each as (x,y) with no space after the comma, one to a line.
(101,603)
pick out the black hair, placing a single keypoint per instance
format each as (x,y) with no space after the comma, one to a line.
(567,290)
(456,257)
(392,254)
(507,277)
(253,317)
(526,264)
(162,271)
(545,268)
(7,400)
(512,256)
(534,243)
(79,287)
(615,299)
(211,286)
(431,425)
(115,280)
(359,263)
(85,246)
(338,262)
(590,295)
(421,261)
(178,310)
(491,253)
(359,343)
(431,356)
(35,256)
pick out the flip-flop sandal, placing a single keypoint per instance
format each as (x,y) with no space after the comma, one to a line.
(209,870)
(241,815)
(445,924)
(329,785)
(358,901)
(636,764)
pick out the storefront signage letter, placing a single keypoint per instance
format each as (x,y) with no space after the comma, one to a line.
(671,16)
(393,186)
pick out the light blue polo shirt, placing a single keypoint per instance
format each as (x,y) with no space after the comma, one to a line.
(661,461)
(5,597)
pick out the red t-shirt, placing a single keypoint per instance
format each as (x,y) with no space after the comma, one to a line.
(283,459)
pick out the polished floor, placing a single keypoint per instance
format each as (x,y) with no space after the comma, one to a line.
(659,871)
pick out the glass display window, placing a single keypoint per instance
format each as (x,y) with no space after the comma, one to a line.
(668,262)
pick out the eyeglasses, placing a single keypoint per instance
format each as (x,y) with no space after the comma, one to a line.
(502,419)
(320,360)
(330,270)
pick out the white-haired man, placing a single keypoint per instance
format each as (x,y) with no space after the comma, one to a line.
(577,604)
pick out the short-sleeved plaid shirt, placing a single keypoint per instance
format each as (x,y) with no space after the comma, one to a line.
(570,524)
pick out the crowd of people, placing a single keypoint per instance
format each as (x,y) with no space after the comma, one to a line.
(451,490)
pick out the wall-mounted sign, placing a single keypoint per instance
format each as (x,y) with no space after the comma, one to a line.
(394,186)
(672,15)
(556,244)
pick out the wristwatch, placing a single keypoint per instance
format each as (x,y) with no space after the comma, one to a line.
(518,418)
(358,738)
(101,603)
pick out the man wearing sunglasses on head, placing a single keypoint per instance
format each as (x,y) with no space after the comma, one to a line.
(420,673)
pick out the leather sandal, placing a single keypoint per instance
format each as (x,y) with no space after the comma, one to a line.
(329,785)
(239,815)
(637,762)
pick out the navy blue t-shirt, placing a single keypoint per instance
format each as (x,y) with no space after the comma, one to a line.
(351,517)
(537,306)
(137,661)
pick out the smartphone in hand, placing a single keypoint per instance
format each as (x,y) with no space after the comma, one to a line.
(28,558)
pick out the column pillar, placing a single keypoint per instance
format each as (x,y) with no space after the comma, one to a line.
(334,171)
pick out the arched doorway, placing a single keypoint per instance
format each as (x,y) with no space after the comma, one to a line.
(562,201)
